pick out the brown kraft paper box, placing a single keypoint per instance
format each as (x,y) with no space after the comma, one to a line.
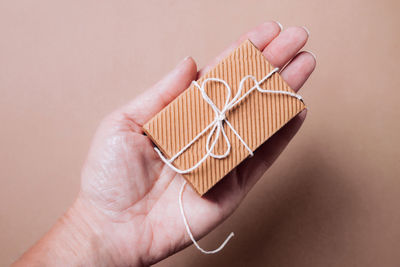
(256,118)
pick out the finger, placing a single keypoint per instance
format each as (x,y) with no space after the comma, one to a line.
(299,69)
(150,102)
(285,46)
(260,36)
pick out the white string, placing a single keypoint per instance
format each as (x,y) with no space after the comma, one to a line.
(190,233)
(217,125)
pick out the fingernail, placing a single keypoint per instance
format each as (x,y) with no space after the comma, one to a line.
(308,32)
(315,57)
(183,61)
(279,24)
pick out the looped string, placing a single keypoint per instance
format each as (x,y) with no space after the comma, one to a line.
(217,125)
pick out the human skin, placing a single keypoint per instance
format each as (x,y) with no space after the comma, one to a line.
(126,213)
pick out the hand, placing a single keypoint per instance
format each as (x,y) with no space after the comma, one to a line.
(127,210)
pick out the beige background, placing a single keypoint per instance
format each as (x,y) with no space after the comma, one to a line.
(332,199)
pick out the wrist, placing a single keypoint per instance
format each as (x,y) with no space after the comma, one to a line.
(82,237)
(75,240)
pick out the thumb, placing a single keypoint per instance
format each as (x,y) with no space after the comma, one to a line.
(154,99)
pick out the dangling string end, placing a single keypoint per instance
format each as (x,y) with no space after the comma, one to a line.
(189,232)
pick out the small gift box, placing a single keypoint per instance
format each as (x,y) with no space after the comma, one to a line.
(223,117)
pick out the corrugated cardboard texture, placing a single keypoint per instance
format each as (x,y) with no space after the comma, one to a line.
(258,117)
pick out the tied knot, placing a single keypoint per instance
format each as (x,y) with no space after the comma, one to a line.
(220,117)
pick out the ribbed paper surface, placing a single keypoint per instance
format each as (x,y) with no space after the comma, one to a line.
(258,117)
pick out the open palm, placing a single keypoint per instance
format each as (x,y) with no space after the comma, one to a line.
(133,196)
